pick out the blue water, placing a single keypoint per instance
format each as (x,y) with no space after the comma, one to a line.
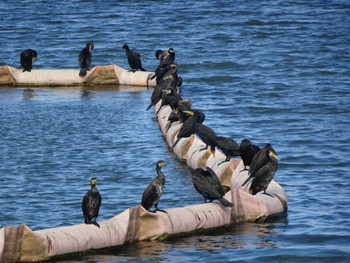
(276,72)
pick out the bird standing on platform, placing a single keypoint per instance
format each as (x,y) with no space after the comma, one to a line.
(91,204)
(134,59)
(154,190)
(247,151)
(262,169)
(188,126)
(27,57)
(208,185)
(85,58)
(228,146)
(207,135)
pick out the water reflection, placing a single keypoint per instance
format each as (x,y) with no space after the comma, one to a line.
(212,243)
(28,94)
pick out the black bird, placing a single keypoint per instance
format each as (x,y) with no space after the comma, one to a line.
(169,97)
(161,54)
(27,57)
(265,157)
(179,115)
(134,59)
(228,146)
(163,71)
(247,151)
(154,190)
(91,204)
(207,135)
(208,185)
(85,58)
(188,126)
(164,64)
(167,83)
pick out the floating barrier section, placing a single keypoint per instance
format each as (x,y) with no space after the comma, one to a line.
(136,224)
(99,75)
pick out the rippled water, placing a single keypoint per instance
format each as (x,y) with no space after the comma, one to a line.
(276,72)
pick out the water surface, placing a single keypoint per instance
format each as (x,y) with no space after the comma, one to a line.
(275,72)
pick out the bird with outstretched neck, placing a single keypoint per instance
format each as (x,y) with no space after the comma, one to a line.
(154,190)
(91,204)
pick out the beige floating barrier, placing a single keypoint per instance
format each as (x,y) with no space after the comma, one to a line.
(99,75)
(135,224)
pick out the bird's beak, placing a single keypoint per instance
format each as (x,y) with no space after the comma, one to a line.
(273,155)
(188,112)
(34,58)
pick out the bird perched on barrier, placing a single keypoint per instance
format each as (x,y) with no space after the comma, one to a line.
(169,97)
(207,135)
(168,59)
(27,57)
(85,58)
(179,115)
(262,169)
(167,83)
(91,204)
(247,151)
(228,146)
(134,59)
(154,190)
(208,185)
(161,54)
(188,126)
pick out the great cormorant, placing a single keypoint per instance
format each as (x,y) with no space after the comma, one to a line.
(263,163)
(188,126)
(228,146)
(247,151)
(85,58)
(154,190)
(134,59)
(169,97)
(168,82)
(207,135)
(208,185)
(27,57)
(179,115)
(161,54)
(91,204)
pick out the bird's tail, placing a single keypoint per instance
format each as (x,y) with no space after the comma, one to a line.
(149,106)
(142,69)
(225,203)
(96,224)
(177,140)
(246,181)
(82,72)
(148,78)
